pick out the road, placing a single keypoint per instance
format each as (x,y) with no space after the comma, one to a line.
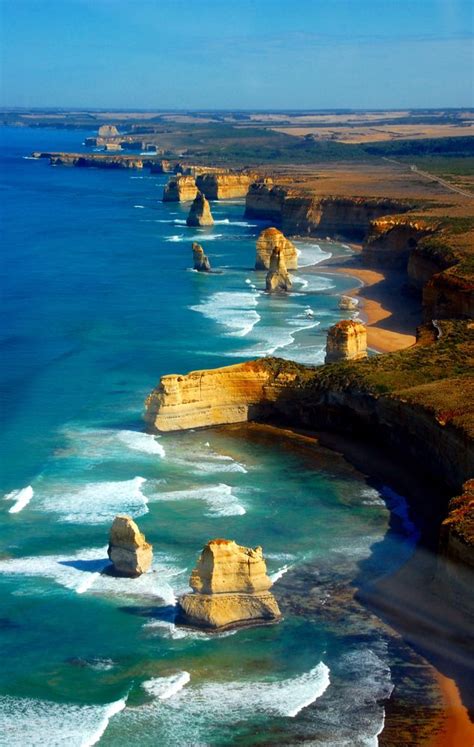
(432,178)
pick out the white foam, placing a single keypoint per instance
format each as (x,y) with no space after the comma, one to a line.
(313,283)
(198,237)
(21,497)
(310,254)
(97,502)
(219,499)
(82,572)
(164,688)
(139,206)
(279,573)
(234,310)
(141,442)
(36,723)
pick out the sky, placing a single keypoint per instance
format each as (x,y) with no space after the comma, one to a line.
(237,54)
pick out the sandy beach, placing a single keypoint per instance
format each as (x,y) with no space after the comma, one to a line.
(390,313)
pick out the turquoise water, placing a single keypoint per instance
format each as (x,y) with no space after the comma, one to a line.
(99,301)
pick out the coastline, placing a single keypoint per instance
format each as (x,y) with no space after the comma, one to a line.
(435,716)
(390,314)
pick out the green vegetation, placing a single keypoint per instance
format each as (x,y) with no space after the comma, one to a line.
(459,147)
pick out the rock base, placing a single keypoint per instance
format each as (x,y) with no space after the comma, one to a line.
(219,611)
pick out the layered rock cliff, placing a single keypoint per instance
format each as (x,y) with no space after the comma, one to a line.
(224,186)
(392,240)
(93,160)
(200,212)
(298,213)
(180,189)
(346,341)
(230,587)
(278,279)
(269,240)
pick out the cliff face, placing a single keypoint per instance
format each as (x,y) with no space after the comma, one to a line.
(180,189)
(447,296)
(301,214)
(221,186)
(95,160)
(346,340)
(392,240)
(269,240)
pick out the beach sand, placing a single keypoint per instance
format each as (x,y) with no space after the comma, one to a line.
(458,729)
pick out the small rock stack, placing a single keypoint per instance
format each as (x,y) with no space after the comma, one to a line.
(129,552)
(346,341)
(270,239)
(231,587)
(200,260)
(277,276)
(200,212)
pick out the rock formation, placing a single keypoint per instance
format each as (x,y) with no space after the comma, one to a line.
(180,189)
(270,239)
(106,131)
(200,260)
(391,240)
(277,276)
(129,552)
(346,303)
(346,341)
(230,587)
(224,186)
(200,212)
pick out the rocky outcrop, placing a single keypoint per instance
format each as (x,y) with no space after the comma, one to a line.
(270,239)
(391,241)
(298,213)
(129,552)
(346,303)
(106,131)
(200,212)
(162,167)
(224,186)
(180,189)
(230,587)
(277,279)
(455,570)
(449,295)
(200,261)
(346,341)
(93,160)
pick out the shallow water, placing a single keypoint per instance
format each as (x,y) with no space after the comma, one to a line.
(99,301)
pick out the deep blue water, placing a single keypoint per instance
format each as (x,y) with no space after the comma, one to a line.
(98,302)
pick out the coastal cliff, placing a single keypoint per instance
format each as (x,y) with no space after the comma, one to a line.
(180,189)
(300,213)
(392,240)
(94,160)
(224,186)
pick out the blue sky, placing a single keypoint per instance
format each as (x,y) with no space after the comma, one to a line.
(280,54)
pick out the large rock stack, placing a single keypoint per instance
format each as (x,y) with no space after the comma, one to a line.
(346,341)
(200,212)
(129,552)
(277,276)
(230,587)
(270,239)
(200,260)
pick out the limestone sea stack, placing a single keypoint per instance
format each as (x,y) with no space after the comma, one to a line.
(129,552)
(200,212)
(200,260)
(270,239)
(277,276)
(346,303)
(180,189)
(346,341)
(230,588)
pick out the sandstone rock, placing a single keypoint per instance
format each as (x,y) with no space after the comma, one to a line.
(346,340)
(225,185)
(108,131)
(129,552)
(277,276)
(201,262)
(346,303)
(230,585)
(200,212)
(180,189)
(270,239)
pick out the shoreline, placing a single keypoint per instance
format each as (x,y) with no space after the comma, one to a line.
(390,315)
(444,721)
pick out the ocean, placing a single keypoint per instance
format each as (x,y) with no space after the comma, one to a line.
(99,300)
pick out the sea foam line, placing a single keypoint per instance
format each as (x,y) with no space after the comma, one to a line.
(21,497)
(164,688)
